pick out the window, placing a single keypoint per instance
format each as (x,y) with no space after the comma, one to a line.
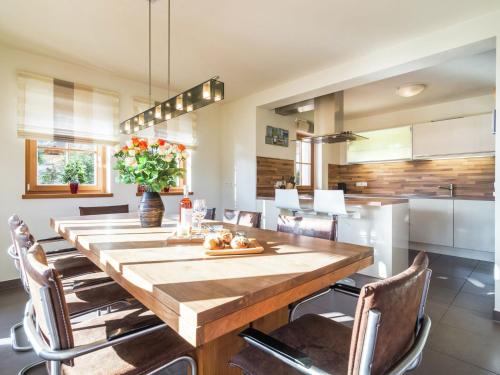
(46,160)
(304,161)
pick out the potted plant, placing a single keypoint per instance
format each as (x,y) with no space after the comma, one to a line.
(75,173)
(155,166)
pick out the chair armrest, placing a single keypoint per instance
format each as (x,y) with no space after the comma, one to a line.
(276,348)
(44,351)
(50,239)
(412,356)
(346,289)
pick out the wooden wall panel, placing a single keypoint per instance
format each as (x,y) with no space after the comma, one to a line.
(270,170)
(472,176)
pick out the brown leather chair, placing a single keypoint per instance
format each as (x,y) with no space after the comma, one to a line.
(231,216)
(130,341)
(249,219)
(308,226)
(389,333)
(103,210)
(210,215)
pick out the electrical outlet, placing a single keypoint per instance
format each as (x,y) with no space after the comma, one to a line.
(362,184)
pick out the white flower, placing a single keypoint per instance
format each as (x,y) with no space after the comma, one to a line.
(130,162)
(131,152)
(169,158)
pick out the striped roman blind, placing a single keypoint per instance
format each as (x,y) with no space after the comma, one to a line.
(54,109)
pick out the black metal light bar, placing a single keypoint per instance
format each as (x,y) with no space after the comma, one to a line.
(205,93)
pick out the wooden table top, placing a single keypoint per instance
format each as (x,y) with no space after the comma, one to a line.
(203,297)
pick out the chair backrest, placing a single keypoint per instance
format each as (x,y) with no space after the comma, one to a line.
(47,297)
(231,216)
(102,210)
(330,202)
(14,222)
(394,305)
(287,199)
(210,215)
(308,226)
(249,219)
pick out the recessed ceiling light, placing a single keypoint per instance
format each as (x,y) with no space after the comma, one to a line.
(411,89)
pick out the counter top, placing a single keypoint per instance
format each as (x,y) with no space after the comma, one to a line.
(357,200)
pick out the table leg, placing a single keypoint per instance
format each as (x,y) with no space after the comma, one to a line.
(213,357)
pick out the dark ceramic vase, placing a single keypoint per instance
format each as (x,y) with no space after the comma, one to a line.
(73,187)
(151,210)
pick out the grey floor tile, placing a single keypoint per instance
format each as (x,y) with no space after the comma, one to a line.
(435,363)
(445,281)
(473,285)
(485,266)
(481,351)
(441,295)
(363,279)
(482,276)
(474,302)
(452,269)
(435,310)
(470,320)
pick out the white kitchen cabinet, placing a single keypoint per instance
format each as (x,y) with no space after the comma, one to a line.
(431,221)
(474,225)
(466,135)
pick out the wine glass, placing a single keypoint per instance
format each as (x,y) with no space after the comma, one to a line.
(199,212)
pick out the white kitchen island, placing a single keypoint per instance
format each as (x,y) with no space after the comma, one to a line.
(382,223)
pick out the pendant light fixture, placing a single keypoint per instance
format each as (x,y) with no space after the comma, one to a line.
(199,96)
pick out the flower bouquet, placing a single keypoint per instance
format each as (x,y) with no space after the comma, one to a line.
(154,165)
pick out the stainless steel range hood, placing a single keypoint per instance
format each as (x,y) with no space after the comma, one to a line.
(328,119)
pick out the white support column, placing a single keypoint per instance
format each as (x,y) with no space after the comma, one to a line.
(497,188)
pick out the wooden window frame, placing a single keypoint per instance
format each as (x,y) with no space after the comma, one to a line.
(300,136)
(33,188)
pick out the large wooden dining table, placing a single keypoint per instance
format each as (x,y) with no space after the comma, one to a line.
(207,300)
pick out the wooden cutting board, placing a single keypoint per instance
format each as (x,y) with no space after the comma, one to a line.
(255,248)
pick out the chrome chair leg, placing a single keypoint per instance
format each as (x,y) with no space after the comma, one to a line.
(13,338)
(26,369)
(189,360)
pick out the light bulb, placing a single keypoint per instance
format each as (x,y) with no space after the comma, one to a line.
(206,90)
(178,103)
(158,112)
(141,119)
(168,116)
(189,108)
(127,126)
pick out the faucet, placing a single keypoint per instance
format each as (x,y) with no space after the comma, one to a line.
(450,187)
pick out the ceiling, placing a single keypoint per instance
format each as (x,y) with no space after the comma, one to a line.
(459,78)
(250,44)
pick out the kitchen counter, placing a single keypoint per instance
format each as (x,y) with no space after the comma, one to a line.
(354,200)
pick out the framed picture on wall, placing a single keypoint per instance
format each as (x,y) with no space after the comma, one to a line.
(276,136)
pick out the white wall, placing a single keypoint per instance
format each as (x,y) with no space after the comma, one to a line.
(36,212)
(439,111)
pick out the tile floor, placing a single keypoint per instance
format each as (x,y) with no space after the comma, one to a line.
(464,339)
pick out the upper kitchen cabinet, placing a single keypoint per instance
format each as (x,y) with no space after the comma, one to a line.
(381,145)
(460,136)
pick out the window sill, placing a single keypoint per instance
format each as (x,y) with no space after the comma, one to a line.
(65,195)
(169,193)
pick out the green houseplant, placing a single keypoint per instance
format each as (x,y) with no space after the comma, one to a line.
(155,166)
(75,173)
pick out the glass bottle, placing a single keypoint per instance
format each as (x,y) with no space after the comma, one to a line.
(185,209)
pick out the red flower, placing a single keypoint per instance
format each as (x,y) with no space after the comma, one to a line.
(161,142)
(135,141)
(143,145)
(181,147)
(125,148)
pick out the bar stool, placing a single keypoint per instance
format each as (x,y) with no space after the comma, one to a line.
(330,202)
(287,199)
